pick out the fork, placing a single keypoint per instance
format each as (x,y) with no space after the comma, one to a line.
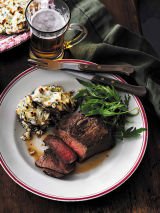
(45,63)
(126,69)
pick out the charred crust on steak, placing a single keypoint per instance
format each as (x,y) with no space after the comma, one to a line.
(53,173)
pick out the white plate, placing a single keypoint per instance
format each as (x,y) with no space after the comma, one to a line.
(114,170)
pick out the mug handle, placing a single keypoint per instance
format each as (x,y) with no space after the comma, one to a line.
(82,34)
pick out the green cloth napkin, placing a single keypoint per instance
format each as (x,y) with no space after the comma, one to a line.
(110,43)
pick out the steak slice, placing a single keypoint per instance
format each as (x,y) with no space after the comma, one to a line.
(85,135)
(50,161)
(61,149)
(72,142)
(53,173)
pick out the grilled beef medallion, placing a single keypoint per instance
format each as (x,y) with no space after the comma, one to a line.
(85,135)
(76,136)
(49,161)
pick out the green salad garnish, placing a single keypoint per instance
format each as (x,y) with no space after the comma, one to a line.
(106,102)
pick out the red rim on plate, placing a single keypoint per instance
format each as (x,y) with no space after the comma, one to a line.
(92,196)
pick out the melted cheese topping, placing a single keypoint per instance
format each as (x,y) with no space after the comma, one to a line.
(47,96)
(52,96)
(12,16)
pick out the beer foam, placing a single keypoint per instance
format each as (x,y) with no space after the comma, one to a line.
(48,20)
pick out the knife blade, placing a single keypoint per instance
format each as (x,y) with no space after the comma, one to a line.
(125,87)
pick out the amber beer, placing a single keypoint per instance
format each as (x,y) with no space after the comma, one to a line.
(48,21)
(47,46)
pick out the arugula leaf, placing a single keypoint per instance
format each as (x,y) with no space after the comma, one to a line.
(133,132)
(104,99)
(80,94)
(128,133)
(85,83)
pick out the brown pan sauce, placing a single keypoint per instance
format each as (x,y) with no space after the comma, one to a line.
(91,163)
(33,150)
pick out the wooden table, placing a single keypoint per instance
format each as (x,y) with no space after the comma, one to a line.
(141,193)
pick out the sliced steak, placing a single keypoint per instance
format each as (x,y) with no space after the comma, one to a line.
(50,161)
(61,149)
(72,142)
(85,135)
(53,173)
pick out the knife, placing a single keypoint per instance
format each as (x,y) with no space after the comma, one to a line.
(125,87)
(126,69)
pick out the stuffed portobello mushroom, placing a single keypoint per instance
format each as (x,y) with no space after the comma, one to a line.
(45,106)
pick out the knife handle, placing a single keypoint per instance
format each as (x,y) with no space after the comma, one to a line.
(135,90)
(122,69)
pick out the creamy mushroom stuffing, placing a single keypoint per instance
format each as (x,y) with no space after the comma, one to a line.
(12,16)
(52,96)
(36,111)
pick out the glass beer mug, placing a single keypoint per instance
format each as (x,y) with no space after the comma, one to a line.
(49,21)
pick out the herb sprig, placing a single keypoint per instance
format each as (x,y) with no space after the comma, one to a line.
(105,101)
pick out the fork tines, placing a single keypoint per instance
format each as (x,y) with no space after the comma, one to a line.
(44,63)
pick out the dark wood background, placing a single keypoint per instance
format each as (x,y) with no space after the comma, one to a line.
(140,194)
